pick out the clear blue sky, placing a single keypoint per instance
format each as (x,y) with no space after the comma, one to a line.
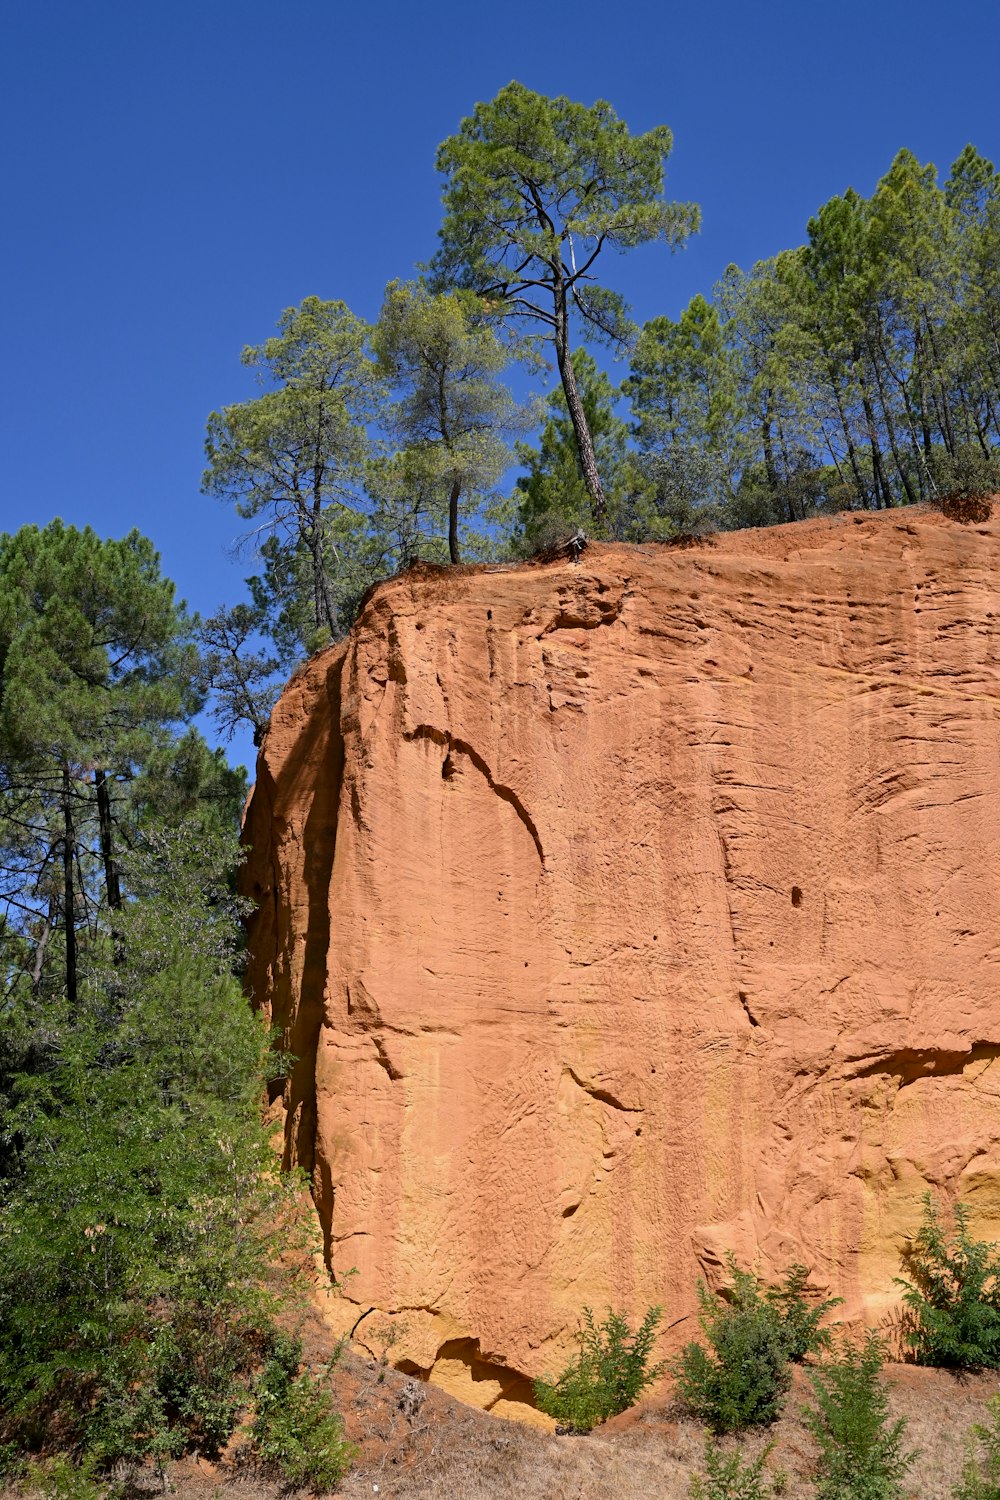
(176,174)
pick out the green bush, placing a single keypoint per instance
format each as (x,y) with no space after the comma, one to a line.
(59,1478)
(608,1375)
(296,1433)
(141,1226)
(740,1378)
(800,1317)
(727,1477)
(981,1471)
(953,1294)
(968,473)
(861,1452)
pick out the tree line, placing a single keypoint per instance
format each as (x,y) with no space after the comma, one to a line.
(859,370)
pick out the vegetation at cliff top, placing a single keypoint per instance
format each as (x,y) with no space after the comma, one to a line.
(858,370)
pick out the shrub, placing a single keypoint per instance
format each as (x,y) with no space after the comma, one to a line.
(739,1380)
(59,1478)
(801,1318)
(296,1433)
(608,1375)
(727,1477)
(966,474)
(953,1294)
(861,1453)
(981,1471)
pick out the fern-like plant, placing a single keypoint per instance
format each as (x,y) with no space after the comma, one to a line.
(800,1315)
(727,1477)
(610,1372)
(981,1470)
(952,1293)
(861,1451)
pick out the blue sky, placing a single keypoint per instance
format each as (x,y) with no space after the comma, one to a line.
(176,174)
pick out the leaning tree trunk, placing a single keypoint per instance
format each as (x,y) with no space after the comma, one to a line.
(578,417)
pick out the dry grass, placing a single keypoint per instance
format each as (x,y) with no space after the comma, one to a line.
(445,1449)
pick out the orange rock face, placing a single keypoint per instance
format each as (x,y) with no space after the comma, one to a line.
(623,913)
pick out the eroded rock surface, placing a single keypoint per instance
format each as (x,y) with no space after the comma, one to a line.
(626,912)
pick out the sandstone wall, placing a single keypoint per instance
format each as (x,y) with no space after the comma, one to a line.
(625,912)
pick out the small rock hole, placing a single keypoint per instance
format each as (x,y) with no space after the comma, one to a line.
(489,614)
(796,895)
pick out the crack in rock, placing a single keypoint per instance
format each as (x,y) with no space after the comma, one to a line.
(506,794)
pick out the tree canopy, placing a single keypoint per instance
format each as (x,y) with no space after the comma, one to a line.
(535,189)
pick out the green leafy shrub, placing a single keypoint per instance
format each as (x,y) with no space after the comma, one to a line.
(140,1229)
(740,1378)
(861,1451)
(966,474)
(727,1477)
(953,1293)
(981,1471)
(60,1478)
(608,1375)
(296,1433)
(801,1318)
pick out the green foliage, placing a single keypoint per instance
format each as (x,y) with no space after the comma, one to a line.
(142,1209)
(296,1433)
(739,1376)
(293,460)
(952,1293)
(727,1477)
(801,1317)
(861,1451)
(244,680)
(981,1471)
(97,669)
(135,1245)
(535,188)
(608,1375)
(61,1478)
(968,473)
(553,497)
(451,416)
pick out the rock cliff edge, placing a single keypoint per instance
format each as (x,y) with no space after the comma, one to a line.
(622,913)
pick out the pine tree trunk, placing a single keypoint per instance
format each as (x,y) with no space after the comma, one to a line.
(69,892)
(111,880)
(112,884)
(453,551)
(851,451)
(578,417)
(890,428)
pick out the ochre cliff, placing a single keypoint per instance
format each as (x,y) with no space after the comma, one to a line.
(622,913)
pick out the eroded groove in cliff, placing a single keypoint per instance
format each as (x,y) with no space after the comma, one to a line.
(505,793)
(911,1064)
(602,1095)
